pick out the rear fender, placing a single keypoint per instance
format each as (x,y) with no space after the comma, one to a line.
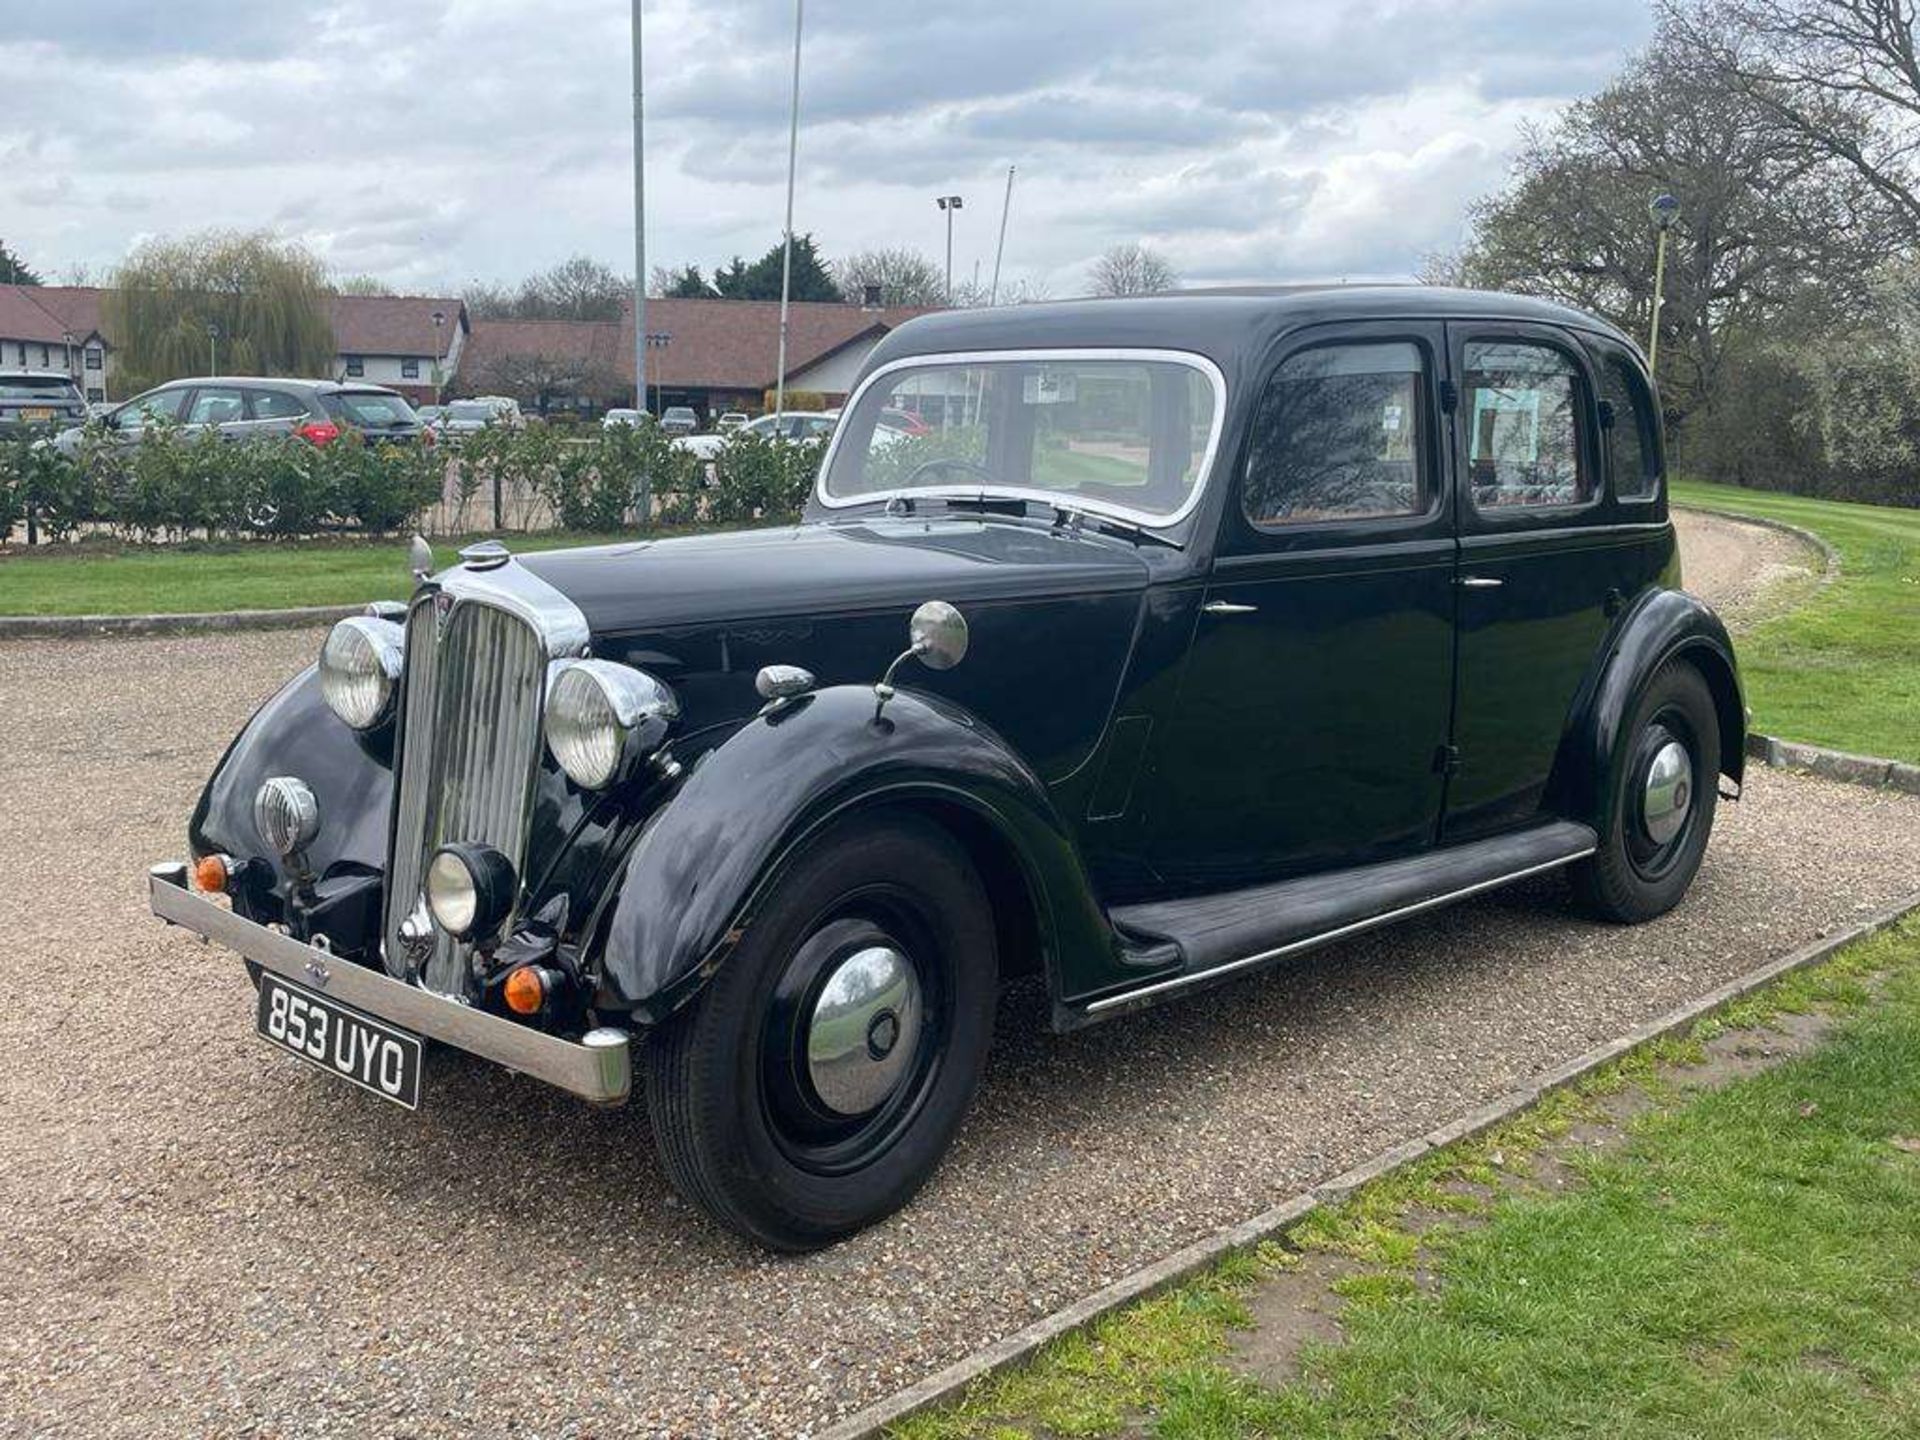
(707,856)
(1662,626)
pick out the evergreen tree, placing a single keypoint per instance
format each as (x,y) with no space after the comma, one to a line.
(14,270)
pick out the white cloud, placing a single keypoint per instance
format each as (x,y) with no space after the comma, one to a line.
(453,139)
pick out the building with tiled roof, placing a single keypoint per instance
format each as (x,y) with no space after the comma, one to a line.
(713,355)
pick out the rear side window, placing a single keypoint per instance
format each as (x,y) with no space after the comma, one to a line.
(1633,437)
(371,408)
(277,405)
(1340,435)
(1524,409)
(216,405)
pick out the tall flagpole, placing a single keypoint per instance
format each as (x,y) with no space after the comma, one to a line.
(639,225)
(1005,205)
(786,259)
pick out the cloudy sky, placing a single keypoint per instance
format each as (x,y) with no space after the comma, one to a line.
(433,142)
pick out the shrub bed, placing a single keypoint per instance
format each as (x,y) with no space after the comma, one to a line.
(178,485)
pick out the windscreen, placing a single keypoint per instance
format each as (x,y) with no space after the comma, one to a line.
(1125,434)
(54,389)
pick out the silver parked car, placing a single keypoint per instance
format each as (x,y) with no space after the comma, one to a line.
(252,408)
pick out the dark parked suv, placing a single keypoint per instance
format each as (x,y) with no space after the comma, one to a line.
(38,399)
(251,408)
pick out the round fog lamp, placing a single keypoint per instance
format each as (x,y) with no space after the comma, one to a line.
(469,890)
(286,814)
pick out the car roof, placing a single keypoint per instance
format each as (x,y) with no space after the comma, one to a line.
(1226,325)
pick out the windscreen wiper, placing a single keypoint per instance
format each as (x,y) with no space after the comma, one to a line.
(1063,516)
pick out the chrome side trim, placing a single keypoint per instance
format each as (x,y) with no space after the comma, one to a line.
(1309,942)
(1203,476)
(600,1071)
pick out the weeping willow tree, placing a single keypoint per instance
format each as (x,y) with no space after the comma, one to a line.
(247,304)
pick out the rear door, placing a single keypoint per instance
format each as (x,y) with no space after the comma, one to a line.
(1315,700)
(1540,564)
(217,407)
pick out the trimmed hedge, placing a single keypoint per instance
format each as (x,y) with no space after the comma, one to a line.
(177,484)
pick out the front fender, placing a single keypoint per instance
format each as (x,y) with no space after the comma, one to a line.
(702,861)
(295,733)
(1662,625)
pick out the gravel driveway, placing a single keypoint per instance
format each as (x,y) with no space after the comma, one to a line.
(203,1237)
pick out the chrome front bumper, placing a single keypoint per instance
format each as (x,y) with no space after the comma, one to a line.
(599,1069)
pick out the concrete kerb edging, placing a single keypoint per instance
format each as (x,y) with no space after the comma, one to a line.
(1869,771)
(81,627)
(948,1384)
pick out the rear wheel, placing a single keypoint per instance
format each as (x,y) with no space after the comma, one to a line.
(1662,805)
(815,1084)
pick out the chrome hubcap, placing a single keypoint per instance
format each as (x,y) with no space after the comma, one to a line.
(1668,795)
(863,1030)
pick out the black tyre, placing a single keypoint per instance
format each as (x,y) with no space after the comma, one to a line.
(814,1085)
(1662,805)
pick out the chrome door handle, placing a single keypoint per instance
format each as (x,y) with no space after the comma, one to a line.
(1479,582)
(1227,607)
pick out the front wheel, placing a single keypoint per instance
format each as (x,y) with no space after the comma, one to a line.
(815,1084)
(1662,804)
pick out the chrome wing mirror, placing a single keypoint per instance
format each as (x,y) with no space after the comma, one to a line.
(936,636)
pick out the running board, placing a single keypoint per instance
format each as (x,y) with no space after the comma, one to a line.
(1211,936)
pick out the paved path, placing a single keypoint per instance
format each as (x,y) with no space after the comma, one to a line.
(203,1237)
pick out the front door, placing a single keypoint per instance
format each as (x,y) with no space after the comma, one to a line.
(1312,715)
(1537,565)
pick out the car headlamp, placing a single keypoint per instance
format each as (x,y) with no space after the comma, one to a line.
(602,716)
(360,669)
(470,890)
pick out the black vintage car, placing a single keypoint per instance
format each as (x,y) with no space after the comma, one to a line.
(1192,632)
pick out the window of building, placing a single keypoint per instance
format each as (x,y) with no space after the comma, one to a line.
(1633,447)
(95,358)
(46,358)
(1523,410)
(1340,436)
(96,395)
(409,369)
(21,346)
(356,366)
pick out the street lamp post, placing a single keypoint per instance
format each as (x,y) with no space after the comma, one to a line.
(66,351)
(213,348)
(439,324)
(949,204)
(786,256)
(1664,210)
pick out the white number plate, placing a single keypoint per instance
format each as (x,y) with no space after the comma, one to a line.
(355,1047)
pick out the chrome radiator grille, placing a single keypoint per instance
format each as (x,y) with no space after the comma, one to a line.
(469,750)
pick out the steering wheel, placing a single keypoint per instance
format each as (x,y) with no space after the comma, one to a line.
(946,462)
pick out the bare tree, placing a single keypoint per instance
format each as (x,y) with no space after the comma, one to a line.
(1132,270)
(1770,224)
(580,288)
(904,275)
(1841,75)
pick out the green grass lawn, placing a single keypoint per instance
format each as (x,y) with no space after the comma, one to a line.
(1842,670)
(1748,1264)
(91,579)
